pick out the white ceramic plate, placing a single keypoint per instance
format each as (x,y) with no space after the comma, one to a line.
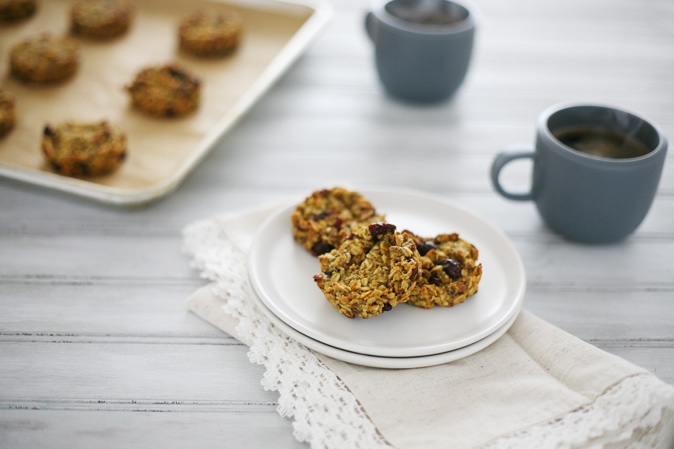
(282,272)
(385,362)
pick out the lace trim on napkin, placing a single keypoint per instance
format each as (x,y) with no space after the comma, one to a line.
(327,415)
(628,415)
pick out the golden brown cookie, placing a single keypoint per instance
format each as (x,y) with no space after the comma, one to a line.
(372,271)
(45,59)
(84,149)
(210,33)
(7,112)
(168,91)
(449,271)
(100,19)
(12,11)
(322,221)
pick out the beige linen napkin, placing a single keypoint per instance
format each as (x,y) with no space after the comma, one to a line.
(536,387)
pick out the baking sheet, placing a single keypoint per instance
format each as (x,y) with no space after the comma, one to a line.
(161,150)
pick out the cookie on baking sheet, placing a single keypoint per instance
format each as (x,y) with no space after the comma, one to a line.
(449,271)
(7,112)
(322,220)
(210,32)
(100,19)
(372,271)
(167,91)
(84,149)
(45,59)
(12,11)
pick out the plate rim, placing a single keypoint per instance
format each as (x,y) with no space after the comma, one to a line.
(382,361)
(519,293)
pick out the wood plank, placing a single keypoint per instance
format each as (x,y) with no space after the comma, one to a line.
(100,309)
(157,312)
(211,426)
(135,369)
(40,216)
(159,259)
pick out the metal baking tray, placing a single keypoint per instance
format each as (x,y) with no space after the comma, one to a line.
(162,151)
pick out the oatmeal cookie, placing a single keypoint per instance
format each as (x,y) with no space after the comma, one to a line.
(322,221)
(12,11)
(168,91)
(45,59)
(100,19)
(372,271)
(7,112)
(449,271)
(210,33)
(84,149)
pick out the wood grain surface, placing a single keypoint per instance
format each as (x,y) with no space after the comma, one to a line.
(96,346)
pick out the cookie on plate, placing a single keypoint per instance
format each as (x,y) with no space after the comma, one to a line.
(84,149)
(45,59)
(12,11)
(372,271)
(322,221)
(167,91)
(449,271)
(100,19)
(7,112)
(210,32)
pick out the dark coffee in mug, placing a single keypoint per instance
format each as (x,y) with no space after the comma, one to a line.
(601,142)
(427,13)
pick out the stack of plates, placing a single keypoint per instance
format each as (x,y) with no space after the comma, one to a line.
(281,273)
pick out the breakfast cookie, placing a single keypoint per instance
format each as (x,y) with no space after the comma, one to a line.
(84,149)
(210,33)
(449,271)
(321,221)
(168,91)
(45,59)
(12,11)
(7,112)
(100,19)
(373,270)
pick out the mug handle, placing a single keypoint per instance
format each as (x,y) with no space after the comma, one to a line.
(370,25)
(501,160)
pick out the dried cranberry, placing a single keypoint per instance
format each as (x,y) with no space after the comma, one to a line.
(377,229)
(322,215)
(319,248)
(387,307)
(338,223)
(425,247)
(451,267)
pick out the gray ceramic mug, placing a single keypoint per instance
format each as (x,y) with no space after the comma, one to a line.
(588,197)
(422,47)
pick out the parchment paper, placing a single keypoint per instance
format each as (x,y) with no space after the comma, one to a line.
(158,147)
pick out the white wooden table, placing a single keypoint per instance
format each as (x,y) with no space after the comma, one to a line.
(96,346)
